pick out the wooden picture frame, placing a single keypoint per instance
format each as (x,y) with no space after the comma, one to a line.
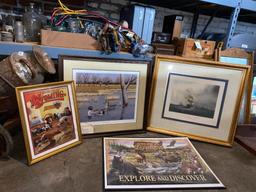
(102,122)
(49,119)
(196,98)
(241,57)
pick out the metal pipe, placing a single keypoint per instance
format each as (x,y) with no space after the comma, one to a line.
(208,23)
(194,23)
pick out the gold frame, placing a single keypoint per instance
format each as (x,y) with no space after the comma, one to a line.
(249,56)
(201,62)
(24,126)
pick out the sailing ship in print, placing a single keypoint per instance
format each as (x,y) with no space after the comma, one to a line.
(189,99)
(194,99)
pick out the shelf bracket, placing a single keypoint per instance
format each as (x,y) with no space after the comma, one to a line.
(232,24)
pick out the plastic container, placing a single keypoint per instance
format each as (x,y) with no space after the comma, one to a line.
(19,32)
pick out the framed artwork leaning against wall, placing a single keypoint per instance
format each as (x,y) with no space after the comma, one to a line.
(50,119)
(197,99)
(111,93)
(240,57)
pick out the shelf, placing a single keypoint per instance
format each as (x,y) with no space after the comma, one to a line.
(6,48)
(249,5)
(208,7)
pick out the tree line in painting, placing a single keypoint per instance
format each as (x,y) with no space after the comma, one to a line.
(119,80)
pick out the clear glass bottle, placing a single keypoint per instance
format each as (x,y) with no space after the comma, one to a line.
(42,17)
(32,24)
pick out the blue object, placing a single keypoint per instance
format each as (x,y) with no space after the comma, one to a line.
(54,52)
(140,20)
(134,15)
(232,24)
(245,4)
(233,60)
(254,88)
(148,24)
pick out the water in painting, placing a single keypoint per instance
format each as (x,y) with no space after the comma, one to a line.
(105,96)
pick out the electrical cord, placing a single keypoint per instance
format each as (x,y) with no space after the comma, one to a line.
(64,12)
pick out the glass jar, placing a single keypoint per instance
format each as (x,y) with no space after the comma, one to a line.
(74,25)
(32,24)
(42,17)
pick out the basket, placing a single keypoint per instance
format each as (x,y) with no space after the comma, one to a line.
(16,70)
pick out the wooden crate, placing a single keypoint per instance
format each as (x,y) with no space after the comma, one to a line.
(188,48)
(166,49)
(69,40)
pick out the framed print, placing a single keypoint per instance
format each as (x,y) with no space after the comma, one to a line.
(241,57)
(183,91)
(198,99)
(50,119)
(110,93)
(155,163)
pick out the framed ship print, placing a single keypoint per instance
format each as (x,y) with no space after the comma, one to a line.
(155,163)
(110,93)
(49,119)
(197,99)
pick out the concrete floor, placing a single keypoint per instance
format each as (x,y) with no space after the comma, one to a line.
(80,169)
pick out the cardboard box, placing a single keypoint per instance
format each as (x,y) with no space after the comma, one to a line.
(193,48)
(69,40)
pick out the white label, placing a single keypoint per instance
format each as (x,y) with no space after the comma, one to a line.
(198,45)
(20,53)
(130,34)
(88,128)
(244,46)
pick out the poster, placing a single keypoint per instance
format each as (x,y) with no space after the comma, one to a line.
(49,118)
(147,163)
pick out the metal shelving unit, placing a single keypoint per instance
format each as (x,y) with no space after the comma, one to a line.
(245,4)
(237,6)
(229,9)
(234,10)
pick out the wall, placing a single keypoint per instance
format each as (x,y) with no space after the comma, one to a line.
(111,9)
(218,25)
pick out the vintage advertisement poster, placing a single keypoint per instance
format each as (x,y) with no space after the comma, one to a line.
(146,163)
(49,115)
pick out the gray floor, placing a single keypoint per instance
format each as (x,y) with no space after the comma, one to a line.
(80,169)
